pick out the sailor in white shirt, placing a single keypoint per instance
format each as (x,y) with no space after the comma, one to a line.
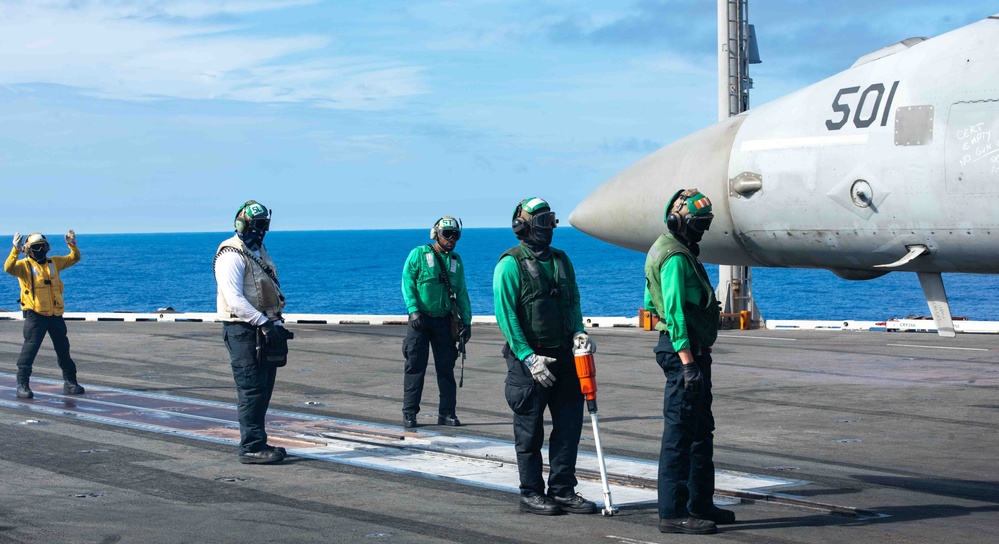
(249,304)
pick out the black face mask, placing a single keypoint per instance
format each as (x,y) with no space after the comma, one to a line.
(253,238)
(693,237)
(692,230)
(539,241)
(38,255)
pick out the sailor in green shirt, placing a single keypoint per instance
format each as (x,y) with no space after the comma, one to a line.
(537,309)
(433,286)
(679,292)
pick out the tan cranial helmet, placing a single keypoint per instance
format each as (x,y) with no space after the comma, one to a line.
(36,238)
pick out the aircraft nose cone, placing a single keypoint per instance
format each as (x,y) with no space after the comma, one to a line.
(611,213)
(628,209)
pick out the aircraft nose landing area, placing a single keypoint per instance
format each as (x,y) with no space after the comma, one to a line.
(460,459)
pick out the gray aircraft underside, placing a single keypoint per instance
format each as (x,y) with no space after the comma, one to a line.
(892,164)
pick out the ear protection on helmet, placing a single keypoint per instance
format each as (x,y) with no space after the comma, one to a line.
(672,218)
(238,220)
(519,225)
(433,229)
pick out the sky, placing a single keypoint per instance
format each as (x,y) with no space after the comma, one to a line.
(166,115)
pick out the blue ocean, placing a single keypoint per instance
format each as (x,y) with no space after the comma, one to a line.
(359,272)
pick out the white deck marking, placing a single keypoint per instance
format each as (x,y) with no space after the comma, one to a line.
(935,347)
(467,460)
(757,337)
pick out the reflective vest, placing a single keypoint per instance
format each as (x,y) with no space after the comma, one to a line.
(260,290)
(431,292)
(41,292)
(702,321)
(546,303)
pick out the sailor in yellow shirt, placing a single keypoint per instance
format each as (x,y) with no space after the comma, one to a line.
(42,306)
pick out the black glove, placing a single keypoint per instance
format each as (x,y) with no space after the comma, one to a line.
(416,321)
(466,333)
(692,378)
(270,333)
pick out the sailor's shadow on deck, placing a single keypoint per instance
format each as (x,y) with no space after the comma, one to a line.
(888,514)
(972,490)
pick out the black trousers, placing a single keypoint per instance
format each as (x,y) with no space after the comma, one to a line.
(35,327)
(436,335)
(528,400)
(254,385)
(686,465)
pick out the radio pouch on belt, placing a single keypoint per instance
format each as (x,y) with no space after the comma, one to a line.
(276,355)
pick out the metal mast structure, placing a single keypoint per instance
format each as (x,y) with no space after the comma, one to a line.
(736,50)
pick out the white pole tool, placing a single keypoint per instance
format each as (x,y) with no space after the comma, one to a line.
(587,372)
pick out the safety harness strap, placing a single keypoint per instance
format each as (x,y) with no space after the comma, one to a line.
(267,270)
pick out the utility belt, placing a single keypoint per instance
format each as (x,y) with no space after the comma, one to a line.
(276,317)
(695,348)
(561,346)
(26,313)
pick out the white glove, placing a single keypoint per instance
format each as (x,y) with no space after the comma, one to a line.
(581,340)
(538,364)
(18,240)
(71,238)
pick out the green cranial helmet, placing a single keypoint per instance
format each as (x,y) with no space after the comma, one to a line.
(533,213)
(687,202)
(252,215)
(446,227)
(688,214)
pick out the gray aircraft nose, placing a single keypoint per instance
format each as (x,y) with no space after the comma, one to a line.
(627,210)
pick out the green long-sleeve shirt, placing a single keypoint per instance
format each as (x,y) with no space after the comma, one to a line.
(506,297)
(423,289)
(680,284)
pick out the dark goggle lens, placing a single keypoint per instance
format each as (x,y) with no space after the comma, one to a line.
(451,234)
(544,220)
(699,223)
(260,224)
(39,247)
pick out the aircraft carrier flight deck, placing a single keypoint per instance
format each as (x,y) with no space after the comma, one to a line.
(822,436)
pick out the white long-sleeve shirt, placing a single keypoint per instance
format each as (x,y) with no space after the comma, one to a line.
(230,268)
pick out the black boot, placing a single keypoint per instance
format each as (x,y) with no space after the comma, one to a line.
(72,388)
(688,526)
(450,420)
(539,504)
(408,420)
(23,391)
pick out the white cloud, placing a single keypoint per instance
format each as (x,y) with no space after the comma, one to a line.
(133,51)
(190,9)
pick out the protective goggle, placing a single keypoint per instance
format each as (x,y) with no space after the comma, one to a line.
(262,224)
(544,220)
(450,234)
(699,223)
(39,247)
